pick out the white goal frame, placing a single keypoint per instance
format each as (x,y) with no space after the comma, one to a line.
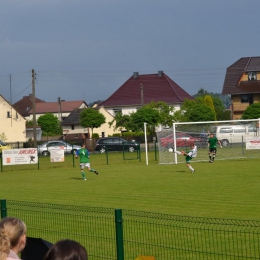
(172,158)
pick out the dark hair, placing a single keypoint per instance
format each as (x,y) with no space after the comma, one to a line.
(66,250)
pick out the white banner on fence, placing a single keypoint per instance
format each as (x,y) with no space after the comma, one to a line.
(57,153)
(252,143)
(20,156)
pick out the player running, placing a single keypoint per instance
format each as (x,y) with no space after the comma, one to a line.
(84,160)
(188,156)
(212,145)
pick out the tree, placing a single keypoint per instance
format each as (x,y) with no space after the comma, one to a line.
(225,99)
(134,122)
(3,137)
(50,125)
(252,111)
(94,102)
(91,118)
(166,112)
(29,123)
(148,115)
(201,113)
(195,110)
(209,102)
(121,122)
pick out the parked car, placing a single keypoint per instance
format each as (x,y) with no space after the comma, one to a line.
(115,144)
(182,139)
(235,133)
(4,146)
(43,149)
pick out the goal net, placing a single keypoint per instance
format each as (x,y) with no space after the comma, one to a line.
(239,139)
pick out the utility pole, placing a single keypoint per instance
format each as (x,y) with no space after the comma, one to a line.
(11,100)
(142,94)
(60,110)
(34,110)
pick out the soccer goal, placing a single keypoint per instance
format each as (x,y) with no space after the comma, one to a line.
(239,138)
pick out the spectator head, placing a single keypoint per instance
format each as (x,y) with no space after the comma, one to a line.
(12,236)
(66,250)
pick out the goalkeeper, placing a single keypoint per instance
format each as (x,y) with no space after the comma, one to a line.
(188,156)
(212,145)
(84,161)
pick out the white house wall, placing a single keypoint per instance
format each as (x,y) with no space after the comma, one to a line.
(14,126)
(105,128)
(30,118)
(129,110)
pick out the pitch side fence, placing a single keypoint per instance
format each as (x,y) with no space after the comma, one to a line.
(124,234)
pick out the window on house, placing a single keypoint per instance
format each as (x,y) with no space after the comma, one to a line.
(72,127)
(245,98)
(117,110)
(8,114)
(252,76)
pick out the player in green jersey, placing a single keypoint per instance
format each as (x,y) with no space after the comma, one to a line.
(212,145)
(84,160)
(188,155)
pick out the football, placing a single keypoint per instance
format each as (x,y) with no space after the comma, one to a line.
(170,150)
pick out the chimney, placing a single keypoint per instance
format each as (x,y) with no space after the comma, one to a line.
(136,74)
(160,73)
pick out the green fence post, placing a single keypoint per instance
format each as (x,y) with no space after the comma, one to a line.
(73,160)
(106,154)
(119,234)
(155,151)
(1,163)
(139,152)
(3,209)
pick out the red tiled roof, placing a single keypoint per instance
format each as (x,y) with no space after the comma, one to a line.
(234,73)
(53,107)
(155,89)
(24,105)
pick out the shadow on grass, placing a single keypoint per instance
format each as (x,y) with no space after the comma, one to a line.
(76,178)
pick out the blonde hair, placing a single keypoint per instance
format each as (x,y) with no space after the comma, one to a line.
(11,229)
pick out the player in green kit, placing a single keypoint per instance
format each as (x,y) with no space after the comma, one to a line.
(212,145)
(84,160)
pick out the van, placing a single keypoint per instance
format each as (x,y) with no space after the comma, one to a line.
(229,134)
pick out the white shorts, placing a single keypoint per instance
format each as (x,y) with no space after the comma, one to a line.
(82,165)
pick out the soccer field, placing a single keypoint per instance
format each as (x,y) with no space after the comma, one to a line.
(224,189)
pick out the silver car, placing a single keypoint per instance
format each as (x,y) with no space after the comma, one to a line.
(43,149)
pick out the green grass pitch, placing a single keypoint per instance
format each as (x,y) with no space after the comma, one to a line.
(224,189)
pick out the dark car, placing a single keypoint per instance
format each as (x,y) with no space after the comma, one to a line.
(115,144)
(182,139)
(68,148)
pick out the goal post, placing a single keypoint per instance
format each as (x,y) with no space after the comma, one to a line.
(239,138)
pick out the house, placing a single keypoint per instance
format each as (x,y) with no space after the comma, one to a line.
(30,133)
(242,82)
(139,90)
(61,108)
(24,105)
(73,130)
(12,123)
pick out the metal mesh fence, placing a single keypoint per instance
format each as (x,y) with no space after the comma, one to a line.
(163,236)
(92,227)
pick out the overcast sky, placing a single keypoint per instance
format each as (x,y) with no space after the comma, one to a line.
(83,49)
